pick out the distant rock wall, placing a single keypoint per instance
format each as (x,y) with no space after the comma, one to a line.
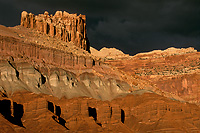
(65,26)
(165,53)
(59,58)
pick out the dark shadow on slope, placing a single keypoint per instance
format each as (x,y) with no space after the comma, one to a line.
(12,114)
(60,121)
(17,72)
(56,113)
(93,63)
(3,93)
(48,28)
(93,113)
(99,124)
(122,116)
(50,106)
(43,79)
(18,113)
(110,112)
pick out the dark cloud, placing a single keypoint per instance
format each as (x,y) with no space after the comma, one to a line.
(130,25)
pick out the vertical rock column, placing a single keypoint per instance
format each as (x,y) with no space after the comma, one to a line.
(104,113)
(52,29)
(24,19)
(116,113)
(65,26)
(32,20)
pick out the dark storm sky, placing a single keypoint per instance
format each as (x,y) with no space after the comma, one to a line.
(130,25)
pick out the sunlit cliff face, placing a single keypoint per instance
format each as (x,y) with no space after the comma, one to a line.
(50,82)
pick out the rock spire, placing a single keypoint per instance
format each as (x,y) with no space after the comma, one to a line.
(67,27)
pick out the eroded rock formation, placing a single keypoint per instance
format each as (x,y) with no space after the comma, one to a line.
(22,76)
(48,84)
(65,26)
(176,71)
(16,47)
(146,112)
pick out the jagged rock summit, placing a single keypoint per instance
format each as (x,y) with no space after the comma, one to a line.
(65,26)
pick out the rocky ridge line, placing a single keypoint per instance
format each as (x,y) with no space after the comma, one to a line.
(164,53)
(173,70)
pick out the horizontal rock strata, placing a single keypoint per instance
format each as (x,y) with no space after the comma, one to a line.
(15,47)
(128,114)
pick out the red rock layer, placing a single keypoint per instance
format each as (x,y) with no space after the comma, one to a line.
(174,72)
(140,113)
(15,47)
(65,26)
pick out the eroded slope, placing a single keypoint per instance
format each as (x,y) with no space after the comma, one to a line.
(176,71)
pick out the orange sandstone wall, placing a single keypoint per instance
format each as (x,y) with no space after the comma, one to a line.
(62,59)
(65,26)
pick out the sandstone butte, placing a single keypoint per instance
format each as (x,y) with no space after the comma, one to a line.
(65,26)
(51,80)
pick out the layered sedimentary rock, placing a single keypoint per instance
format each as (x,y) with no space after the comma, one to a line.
(65,26)
(176,71)
(21,76)
(48,84)
(153,113)
(15,47)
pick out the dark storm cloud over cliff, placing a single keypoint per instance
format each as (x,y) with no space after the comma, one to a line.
(130,25)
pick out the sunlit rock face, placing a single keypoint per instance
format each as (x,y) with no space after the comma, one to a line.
(173,70)
(8,73)
(65,26)
(141,112)
(48,82)
(59,82)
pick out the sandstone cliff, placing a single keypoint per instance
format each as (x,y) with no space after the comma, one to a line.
(65,26)
(148,112)
(48,82)
(41,48)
